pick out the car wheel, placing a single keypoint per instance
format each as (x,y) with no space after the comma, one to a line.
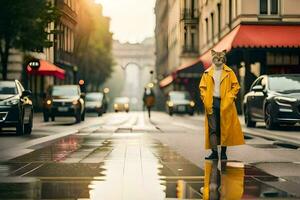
(20,126)
(53,118)
(191,113)
(116,111)
(100,114)
(248,120)
(46,116)
(269,118)
(28,127)
(78,117)
(170,113)
(82,116)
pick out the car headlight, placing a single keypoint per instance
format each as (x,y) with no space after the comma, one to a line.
(285,101)
(75,102)
(192,103)
(170,104)
(115,105)
(49,102)
(98,105)
(126,105)
(12,102)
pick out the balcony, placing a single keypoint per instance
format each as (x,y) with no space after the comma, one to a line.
(190,15)
(193,49)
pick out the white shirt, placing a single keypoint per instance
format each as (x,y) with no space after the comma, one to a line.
(217,80)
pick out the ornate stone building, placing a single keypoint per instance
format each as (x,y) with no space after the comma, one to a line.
(132,70)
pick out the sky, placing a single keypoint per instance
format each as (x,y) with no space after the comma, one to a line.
(131,20)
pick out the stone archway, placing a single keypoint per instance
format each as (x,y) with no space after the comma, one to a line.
(133,64)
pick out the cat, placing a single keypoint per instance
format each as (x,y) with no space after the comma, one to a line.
(218,58)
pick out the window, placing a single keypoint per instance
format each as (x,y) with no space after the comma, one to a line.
(212,26)
(274,7)
(219,19)
(230,12)
(206,26)
(263,7)
(269,7)
(193,41)
(185,36)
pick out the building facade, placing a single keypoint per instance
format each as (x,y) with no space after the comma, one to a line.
(64,41)
(177,34)
(161,38)
(260,36)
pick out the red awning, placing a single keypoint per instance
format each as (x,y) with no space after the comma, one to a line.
(166,81)
(47,69)
(257,36)
(182,67)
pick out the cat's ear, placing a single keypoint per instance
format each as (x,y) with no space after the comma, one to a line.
(213,52)
(224,51)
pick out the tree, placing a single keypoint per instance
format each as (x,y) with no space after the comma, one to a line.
(23,25)
(93,43)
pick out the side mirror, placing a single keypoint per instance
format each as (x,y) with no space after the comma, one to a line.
(258,88)
(26,93)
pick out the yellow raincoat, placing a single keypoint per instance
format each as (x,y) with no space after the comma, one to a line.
(231,132)
(232,182)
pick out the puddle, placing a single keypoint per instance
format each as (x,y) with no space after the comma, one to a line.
(286,145)
(124,130)
(126,166)
(247,137)
(265,146)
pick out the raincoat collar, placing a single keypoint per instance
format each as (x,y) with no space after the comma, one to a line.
(225,70)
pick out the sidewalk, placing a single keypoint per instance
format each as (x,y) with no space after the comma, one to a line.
(290,135)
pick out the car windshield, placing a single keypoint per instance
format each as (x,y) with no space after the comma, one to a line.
(178,96)
(94,97)
(8,88)
(289,83)
(122,100)
(65,91)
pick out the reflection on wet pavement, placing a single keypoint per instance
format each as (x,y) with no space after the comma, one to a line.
(130,166)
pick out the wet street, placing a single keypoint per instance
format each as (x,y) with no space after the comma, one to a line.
(127,156)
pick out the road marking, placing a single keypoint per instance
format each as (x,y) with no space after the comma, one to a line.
(32,170)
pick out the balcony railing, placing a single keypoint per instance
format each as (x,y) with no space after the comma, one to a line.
(190,49)
(189,14)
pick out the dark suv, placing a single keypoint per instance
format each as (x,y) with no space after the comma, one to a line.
(16,108)
(273,99)
(64,100)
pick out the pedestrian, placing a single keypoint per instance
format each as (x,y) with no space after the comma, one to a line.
(149,99)
(218,89)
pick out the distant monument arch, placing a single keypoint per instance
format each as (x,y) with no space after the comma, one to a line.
(136,61)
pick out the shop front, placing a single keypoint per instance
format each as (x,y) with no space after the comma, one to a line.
(253,50)
(42,74)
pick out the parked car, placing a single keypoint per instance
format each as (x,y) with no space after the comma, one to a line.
(180,102)
(16,108)
(64,100)
(94,102)
(121,104)
(273,99)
